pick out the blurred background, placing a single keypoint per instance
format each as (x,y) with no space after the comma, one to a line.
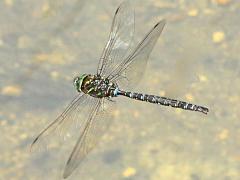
(45,43)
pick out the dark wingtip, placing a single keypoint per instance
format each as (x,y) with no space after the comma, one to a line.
(65,174)
(160,22)
(123,5)
(117,10)
(34,141)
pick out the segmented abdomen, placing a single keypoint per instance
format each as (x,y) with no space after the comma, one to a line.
(164,101)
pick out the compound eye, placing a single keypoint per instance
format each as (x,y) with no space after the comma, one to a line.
(76,80)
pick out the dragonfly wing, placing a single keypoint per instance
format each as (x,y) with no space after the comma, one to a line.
(98,122)
(63,125)
(120,39)
(131,70)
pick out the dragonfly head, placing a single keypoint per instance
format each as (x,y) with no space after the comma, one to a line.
(77,82)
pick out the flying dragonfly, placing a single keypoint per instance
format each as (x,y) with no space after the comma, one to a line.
(120,66)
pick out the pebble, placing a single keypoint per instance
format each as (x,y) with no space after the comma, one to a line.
(130,171)
(9,3)
(223,135)
(193,12)
(53,58)
(223,2)
(11,90)
(202,78)
(218,37)
(54,75)
(189,97)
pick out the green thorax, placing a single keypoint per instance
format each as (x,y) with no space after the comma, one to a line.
(94,85)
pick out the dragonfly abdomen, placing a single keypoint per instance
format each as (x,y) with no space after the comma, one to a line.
(164,101)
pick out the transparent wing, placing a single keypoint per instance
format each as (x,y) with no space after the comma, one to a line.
(120,39)
(97,124)
(131,70)
(64,125)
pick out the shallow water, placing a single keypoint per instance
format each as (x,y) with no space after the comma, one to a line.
(44,44)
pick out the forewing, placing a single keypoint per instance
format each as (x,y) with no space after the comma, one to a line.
(98,122)
(132,69)
(64,125)
(120,39)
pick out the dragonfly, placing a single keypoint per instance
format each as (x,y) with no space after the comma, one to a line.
(120,66)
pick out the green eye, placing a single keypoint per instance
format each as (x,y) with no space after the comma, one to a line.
(77,82)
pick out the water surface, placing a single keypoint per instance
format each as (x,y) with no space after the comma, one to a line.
(44,44)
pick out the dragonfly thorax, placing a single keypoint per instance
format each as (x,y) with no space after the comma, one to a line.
(95,86)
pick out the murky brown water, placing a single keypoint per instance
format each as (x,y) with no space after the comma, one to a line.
(44,44)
